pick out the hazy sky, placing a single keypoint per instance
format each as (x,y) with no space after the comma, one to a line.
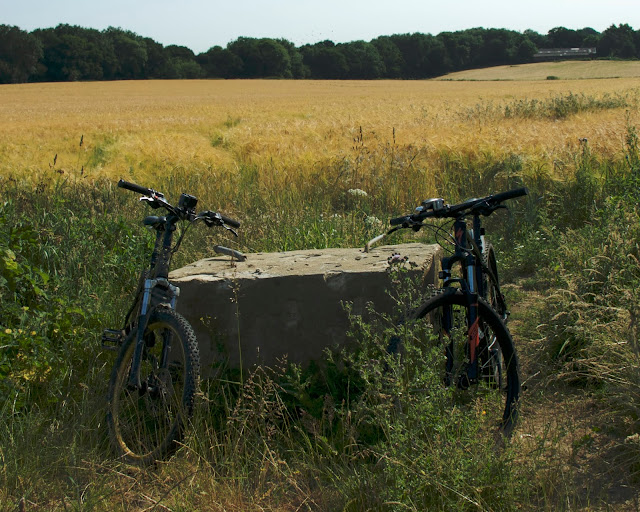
(201,24)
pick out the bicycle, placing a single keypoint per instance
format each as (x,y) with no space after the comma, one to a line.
(468,314)
(156,374)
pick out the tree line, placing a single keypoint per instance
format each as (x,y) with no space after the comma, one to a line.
(73,53)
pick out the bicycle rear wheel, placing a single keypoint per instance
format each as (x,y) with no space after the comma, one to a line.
(147,425)
(494,394)
(490,355)
(492,282)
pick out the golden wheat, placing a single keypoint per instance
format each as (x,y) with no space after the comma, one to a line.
(283,128)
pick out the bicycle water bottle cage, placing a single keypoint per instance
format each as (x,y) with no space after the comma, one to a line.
(434,204)
(154,221)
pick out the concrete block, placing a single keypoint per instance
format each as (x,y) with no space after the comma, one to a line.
(287,303)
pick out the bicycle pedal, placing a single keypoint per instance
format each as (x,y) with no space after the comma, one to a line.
(465,382)
(112,339)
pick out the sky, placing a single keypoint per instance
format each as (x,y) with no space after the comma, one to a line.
(202,24)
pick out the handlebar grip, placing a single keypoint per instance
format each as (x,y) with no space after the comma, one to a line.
(510,194)
(398,221)
(134,188)
(230,222)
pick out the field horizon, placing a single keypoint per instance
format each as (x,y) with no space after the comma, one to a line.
(559,70)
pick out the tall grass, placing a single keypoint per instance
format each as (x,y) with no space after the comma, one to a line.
(555,107)
(290,438)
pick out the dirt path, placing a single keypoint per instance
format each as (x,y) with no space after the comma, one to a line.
(565,440)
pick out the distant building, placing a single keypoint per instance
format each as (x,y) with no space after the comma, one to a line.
(565,53)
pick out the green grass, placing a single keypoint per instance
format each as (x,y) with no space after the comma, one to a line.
(330,439)
(554,108)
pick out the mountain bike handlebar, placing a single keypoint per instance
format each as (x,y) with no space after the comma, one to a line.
(136,188)
(156,199)
(437,209)
(215,218)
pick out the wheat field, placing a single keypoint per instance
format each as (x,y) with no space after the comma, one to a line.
(283,158)
(287,128)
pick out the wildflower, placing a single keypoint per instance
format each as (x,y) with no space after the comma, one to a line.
(357,192)
(7,331)
(372,221)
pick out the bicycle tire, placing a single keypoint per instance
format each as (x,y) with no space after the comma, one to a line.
(492,281)
(507,385)
(147,425)
(489,351)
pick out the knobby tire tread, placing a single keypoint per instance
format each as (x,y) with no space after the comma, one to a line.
(187,338)
(455,297)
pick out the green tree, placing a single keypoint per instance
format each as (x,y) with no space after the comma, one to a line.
(157,59)
(298,68)
(262,57)
(131,51)
(424,55)
(561,37)
(20,53)
(589,38)
(618,41)
(218,62)
(324,61)
(75,53)
(537,39)
(275,58)
(461,48)
(363,60)
(180,62)
(414,49)
(525,50)
(390,55)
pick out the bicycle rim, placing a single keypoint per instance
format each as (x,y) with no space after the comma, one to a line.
(147,424)
(493,396)
(490,354)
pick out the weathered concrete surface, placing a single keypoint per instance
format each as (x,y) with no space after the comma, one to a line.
(287,303)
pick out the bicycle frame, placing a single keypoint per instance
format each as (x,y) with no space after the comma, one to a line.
(468,252)
(157,277)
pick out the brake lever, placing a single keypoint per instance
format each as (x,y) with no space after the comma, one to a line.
(496,207)
(151,201)
(230,229)
(210,223)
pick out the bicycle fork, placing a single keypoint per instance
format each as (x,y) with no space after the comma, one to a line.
(143,320)
(470,373)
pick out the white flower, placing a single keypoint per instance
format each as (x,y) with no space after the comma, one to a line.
(373,222)
(358,192)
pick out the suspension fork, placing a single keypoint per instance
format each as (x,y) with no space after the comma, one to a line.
(143,320)
(474,288)
(160,267)
(470,288)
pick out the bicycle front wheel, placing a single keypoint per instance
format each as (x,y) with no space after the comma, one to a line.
(147,424)
(494,393)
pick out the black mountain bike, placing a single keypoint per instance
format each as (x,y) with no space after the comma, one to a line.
(156,374)
(468,313)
